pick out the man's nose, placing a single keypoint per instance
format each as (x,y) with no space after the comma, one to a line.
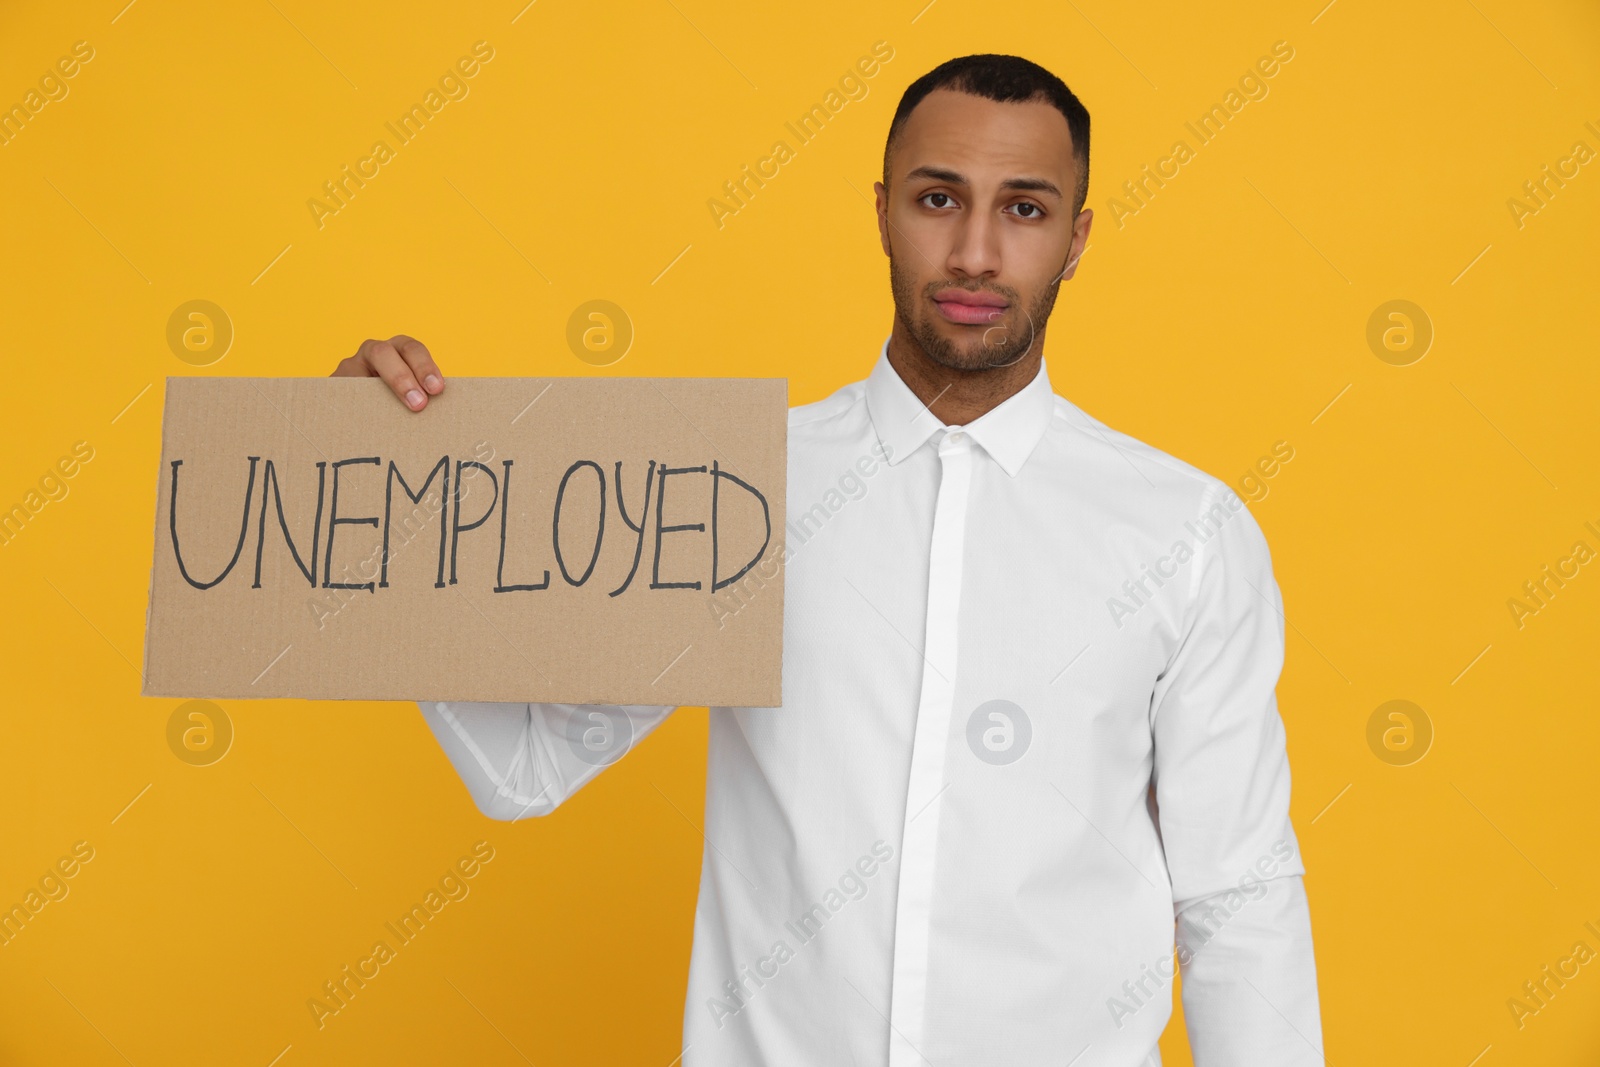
(976,252)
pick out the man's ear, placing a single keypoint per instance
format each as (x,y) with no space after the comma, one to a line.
(882,195)
(1080,241)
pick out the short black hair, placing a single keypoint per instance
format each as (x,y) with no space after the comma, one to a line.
(1005,79)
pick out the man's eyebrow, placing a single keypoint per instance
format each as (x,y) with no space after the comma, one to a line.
(1036,185)
(938,174)
(941,174)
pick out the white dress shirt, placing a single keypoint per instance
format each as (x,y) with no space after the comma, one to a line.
(1029,738)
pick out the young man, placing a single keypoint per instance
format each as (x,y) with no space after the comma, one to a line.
(1029,672)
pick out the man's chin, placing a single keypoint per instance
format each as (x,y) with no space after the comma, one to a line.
(968,347)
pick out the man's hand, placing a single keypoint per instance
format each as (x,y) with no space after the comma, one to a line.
(400,361)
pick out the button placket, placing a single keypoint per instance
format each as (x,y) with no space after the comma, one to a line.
(935,707)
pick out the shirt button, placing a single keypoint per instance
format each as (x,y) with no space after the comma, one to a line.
(957,437)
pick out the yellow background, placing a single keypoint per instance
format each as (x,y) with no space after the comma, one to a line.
(1221,318)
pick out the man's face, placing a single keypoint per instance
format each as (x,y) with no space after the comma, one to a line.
(978,225)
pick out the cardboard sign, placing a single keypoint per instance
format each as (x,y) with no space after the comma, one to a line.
(521,539)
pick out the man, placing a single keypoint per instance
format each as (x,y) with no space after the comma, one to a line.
(1029,670)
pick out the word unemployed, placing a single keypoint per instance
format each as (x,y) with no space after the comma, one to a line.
(452,525)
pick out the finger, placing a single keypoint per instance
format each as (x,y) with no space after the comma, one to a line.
(417,357)
(397,373)
(360,364)
(353,367)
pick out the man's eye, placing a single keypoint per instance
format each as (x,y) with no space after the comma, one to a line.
(1028,211)
(937,200)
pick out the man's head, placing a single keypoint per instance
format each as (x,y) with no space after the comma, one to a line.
(985,172)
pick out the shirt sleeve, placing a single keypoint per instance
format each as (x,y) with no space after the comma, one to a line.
(1249,977)
(1221,780)
(522,760)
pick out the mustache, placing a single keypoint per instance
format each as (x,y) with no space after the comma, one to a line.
(933,289)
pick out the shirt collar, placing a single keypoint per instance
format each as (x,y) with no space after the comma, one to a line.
(1009,432)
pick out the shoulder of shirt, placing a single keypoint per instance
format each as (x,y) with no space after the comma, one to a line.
(1199,489)
(1092,433)
(831,407)
(1190,491)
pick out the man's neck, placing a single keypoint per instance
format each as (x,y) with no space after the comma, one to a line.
(958,397)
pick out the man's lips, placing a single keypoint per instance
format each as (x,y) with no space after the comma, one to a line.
(970,308)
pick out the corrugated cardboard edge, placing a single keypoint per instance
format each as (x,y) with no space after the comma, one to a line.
(783,566)
(155,535)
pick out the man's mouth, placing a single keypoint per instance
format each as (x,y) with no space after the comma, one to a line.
(970,308)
